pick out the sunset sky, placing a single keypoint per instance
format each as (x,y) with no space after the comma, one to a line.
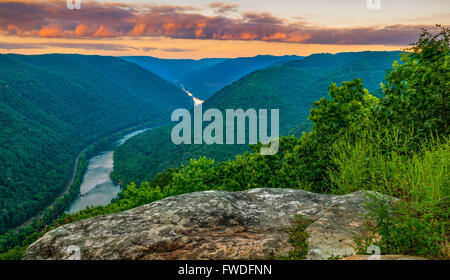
(200,28)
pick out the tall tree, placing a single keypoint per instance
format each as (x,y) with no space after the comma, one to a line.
(417,90)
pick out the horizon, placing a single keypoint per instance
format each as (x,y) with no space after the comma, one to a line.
(224,130)
(196,59)
(208,29)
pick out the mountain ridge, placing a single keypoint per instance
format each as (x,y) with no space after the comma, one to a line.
(292,88)
(205,76)
(52,106)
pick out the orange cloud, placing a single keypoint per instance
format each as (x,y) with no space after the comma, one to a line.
(138,30)
(50,32)
(98,19)
(277,36)
(248,36)
(81,30)
(103,31)
(294,38)
(199,30)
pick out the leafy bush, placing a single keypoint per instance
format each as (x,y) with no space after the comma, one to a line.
(417,90)
(13,254)
(292,88)
(417,224)
(397,145)
(298,239)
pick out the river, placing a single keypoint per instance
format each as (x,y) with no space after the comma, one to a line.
(196,100)
(97,188)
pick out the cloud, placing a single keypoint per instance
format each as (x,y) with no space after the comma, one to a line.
(92,46)
(86,46)
(222,8)
(51,19)
(16,46)
(175,50)
(265,19)
(149,49)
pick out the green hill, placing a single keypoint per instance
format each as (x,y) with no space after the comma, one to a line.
(171,70)
(204,82)
(204,77)
(52,106)
(291,88)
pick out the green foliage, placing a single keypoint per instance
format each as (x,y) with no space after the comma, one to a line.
(417,224)
(193,177)
(171,70)
(206,76)
(357,142)
(406,155)
(207,80)
(370,159)
(349,109)
(252,170)
(298,239)
(417,90)
(21,235)
(13,254)
(53,106)
(395,145)
(292,88)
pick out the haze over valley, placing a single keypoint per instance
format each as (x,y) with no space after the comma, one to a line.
(122,122)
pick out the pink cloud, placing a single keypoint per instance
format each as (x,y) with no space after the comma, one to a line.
(96,20)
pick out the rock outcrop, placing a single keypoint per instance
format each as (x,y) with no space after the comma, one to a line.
(212,225)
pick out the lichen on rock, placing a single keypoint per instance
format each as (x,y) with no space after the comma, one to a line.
(212,225)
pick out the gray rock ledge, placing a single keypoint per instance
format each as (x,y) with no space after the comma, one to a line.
(212,225)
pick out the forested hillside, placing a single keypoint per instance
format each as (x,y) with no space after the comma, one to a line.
(171,70)
(396,145)
(292,88)
(52,106)
(204,77)
(208,80)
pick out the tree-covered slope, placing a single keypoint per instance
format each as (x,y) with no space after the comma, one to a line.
(52,106)
(291,88)
(171,70)
(206,81)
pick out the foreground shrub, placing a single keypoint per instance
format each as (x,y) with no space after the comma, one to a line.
(417,224)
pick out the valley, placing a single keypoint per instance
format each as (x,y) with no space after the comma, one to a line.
(48,117)
(97,188)
(224,130)
(43,100)
(127,168)
(196,100)
(207,76)
(291,87)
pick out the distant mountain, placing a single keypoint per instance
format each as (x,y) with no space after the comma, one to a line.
(206,76)
(52,106)
(291,88)
(171,70)
(206,81)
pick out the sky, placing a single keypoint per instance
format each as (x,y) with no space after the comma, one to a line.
(202,28)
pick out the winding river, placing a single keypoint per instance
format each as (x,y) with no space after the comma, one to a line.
(196,100)
(97,188)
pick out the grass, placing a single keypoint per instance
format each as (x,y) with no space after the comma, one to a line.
(298,239)
(13,254)
(415,172)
